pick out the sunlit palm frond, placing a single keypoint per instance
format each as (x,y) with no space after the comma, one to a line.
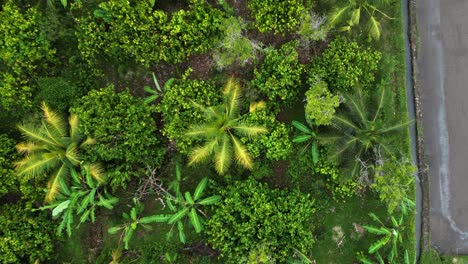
(242,155)
(72,155)
(342,146)
(210,112)
(223,155)
(27,147)
(357,106)
(53,187)
(53,135)
(249,131)
(97,172)
(206,131)
(233,98)
(396,127)
(341,123)
(73,121)
(355,16)
(35,135)
(54,120)
(200,154)
(34,165)
(88,141)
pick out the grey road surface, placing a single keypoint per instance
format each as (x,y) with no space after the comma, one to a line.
(443,67)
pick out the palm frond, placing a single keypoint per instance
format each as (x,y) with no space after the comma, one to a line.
(205,131)
(223,155)
(53,187)
(72,155)
(396,127)
(73,121)
(342,123)
(34,165)
(356,105)
(200,154)
(210,112)
(233,95)
(35,135)
(97,172)
(355,16)
(54,120)
(242,155)
(27,147)
(249,131)
(88,141)
(380,102)
(53,135)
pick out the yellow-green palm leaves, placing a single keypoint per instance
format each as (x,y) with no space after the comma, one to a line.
(220,132)
(352,14)
(50,149)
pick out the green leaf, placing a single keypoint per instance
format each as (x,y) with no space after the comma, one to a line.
(200,188)
(194,219)
(168,84)
(154,219)
(379,244)
(62,206)
(114,230)
(188,198)
(180,226)
(85,216)
(301,138)
(63,186)
(355,16)
(64,3)
(177,216)
(133,213)
(301,127)
(128,236)
(149,90)
(210,200)
(315,153)
(107,203)
(377,231)
(150,99)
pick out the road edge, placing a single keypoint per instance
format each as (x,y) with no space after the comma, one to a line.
(420,150)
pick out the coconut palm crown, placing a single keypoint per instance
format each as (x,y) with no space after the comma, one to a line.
(52,149)
(220,132)
(360,133)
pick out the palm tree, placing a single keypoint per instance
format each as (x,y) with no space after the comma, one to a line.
(51,148)
(361,133)
(353,11)
(221,130)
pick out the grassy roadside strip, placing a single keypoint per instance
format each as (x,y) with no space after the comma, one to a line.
(393,55)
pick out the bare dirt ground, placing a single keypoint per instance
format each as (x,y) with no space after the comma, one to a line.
(443,67)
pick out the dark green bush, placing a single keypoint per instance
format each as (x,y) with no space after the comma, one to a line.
(275,144)
(179,112)
(23,49)
(254,220)
(344,64)
(279,76)
(122,30)
(278,16)
(25,236)
(57,92)
(124,130)
(8,179)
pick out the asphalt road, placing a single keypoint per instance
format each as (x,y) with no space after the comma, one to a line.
(443,67)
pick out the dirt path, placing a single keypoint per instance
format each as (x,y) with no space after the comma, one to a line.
(443,67)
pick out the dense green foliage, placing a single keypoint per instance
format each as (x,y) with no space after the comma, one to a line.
(393,181)
(8,180)
(279,16)
(279,76)
(124,131)
(24,237)
(344,65)
(252,218)
(24,49)
(58,93)
(320,103)
(275,144)
(179,112)
(137,31)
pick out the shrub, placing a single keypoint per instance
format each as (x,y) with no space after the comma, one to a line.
(253,217)
(25,236)
(23,48)
(275,144)
(179,112)
(321,104)
(57,92)
(344,64)
(234,47)
(8,179)
(340,190)
(279,76)
(278,16)
(125,133)
(393,181)
(122,30)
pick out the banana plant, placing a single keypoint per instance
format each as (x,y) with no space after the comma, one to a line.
(188,205)
(390,236)
(308,136)
(155,94)
(81,199)
(133,221)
